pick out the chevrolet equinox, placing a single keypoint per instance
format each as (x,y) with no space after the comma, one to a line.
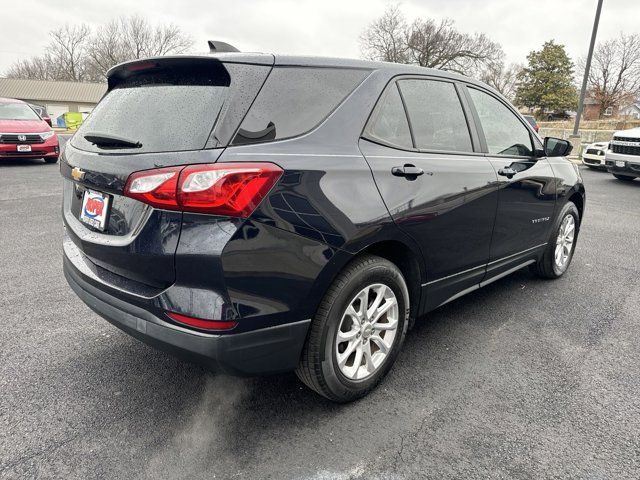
(262,213)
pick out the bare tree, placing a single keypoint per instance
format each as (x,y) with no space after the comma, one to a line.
(64,57)
(68,49)
(75,53)
(384,39)
(428,43)
(440,45)
(615,71)
(503,78)
(129,38)
(36,68)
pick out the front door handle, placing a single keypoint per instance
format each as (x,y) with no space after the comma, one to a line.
(410,172)
(507,172)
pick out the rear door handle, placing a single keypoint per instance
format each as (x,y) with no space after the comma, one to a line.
(507,172)
(411,172)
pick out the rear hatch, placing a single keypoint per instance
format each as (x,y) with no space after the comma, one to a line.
(156,113)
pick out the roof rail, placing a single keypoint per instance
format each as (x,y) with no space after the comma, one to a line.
(216,46)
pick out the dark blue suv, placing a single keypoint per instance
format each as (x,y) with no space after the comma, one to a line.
(261,213)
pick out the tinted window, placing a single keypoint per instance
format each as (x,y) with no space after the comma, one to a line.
(436,115)
(169,109)
(389,121)
(294,100)
(504,132)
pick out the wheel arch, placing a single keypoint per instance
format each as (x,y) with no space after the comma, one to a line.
(578,199)
(401,253)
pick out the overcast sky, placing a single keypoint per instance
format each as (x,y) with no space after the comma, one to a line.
(321,27)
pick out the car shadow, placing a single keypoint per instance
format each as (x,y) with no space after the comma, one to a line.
(208,415)
(22,162)
(632,184)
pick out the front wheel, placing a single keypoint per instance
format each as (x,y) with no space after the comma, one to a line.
(358,330)
(624,178)
(559,252)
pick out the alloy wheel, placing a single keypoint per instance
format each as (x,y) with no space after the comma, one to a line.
(367,331)
(564,242)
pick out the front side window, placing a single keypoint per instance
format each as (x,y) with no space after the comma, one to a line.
(504,132)
(436,115)
(389,123)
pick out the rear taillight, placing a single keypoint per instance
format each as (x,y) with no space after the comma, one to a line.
(232,189)
(212,325)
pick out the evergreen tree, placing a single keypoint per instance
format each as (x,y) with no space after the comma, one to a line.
(546,82)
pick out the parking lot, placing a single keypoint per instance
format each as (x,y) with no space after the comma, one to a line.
(525,378)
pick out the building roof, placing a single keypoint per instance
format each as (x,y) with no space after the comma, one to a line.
(635,106)
(50,91)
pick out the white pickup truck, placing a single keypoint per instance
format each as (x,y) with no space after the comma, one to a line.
(623,157)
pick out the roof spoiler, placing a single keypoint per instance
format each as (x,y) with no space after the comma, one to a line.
(216,46)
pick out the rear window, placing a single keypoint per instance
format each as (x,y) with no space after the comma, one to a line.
(173,109)
(294,100)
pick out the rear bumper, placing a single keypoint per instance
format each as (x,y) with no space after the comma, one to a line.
(264,351)
(631,165)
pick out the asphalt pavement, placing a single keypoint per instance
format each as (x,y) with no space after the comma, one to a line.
(523,379)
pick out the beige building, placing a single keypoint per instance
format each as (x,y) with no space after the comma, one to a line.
(57,97)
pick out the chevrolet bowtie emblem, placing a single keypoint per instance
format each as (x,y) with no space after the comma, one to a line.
(77,174)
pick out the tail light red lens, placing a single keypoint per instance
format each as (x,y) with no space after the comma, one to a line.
(233,189)
(212,325)
(155,187)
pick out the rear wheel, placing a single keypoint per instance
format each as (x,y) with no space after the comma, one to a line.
(624,178)
(559,252)
(358,330)
(50,159)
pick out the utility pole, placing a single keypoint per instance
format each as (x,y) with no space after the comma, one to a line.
(587,67)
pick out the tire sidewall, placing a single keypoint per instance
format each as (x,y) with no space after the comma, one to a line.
(383,272)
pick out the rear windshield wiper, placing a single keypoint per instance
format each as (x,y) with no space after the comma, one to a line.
(107,140)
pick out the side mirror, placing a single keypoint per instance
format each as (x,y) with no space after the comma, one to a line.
(556,147)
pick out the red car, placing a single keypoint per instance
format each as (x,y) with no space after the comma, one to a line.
(23,134)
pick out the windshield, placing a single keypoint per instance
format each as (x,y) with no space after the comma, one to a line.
(17,111)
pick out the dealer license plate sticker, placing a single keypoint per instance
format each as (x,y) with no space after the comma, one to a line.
(95,209)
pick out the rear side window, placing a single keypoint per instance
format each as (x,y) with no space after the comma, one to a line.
(294,100)
(171,109)
(436,115)
(504,132)
(389,123)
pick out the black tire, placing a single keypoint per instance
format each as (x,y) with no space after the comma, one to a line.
(318,368)
(624,178)
(546,267)
(50,159)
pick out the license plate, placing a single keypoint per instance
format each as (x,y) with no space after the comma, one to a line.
(23,148)
(95,209)
(620,163)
